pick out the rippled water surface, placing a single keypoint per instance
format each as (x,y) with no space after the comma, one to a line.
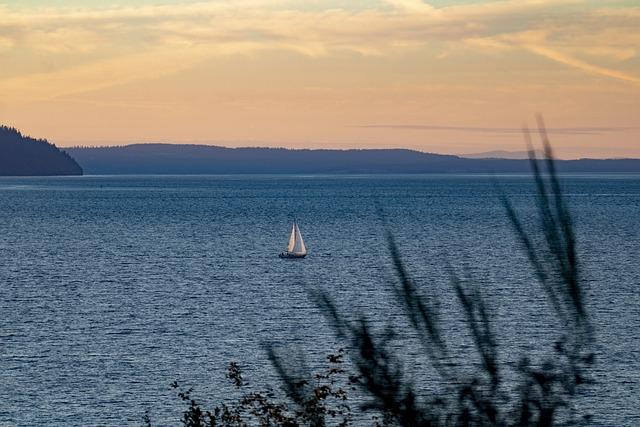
(113,287)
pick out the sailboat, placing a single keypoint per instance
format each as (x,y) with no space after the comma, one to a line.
(296,248)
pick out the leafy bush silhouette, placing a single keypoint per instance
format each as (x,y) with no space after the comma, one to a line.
(546,391)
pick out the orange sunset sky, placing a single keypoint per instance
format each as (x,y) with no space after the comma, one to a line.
(439,76)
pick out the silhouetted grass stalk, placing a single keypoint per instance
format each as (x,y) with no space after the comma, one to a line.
(546,391)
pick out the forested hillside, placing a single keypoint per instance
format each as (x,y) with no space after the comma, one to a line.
(24,156)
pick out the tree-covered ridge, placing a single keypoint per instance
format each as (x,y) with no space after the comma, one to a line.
(209,159)
(21,155)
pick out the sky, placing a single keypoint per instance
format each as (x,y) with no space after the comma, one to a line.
(440,76)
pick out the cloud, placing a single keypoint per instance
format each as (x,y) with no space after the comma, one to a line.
(408,23)
(498,130)
(99,75)
(6,44)
(175,37)
(582,65)
(412,6)
(64,40)
(545,43)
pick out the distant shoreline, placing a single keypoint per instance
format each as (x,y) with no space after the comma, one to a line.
(177,159)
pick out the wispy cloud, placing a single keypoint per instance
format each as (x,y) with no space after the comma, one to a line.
(109,46)
(5,44)
(587,130)
(98,75)
(557,47)
(582,65)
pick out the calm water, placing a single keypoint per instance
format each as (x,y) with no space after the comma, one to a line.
(113,287)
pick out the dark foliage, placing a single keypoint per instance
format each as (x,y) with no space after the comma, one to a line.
(24,156)
(540,392)
(306,401)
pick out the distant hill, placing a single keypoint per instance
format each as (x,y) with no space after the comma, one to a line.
(24,156)
(499,154)
(205,159)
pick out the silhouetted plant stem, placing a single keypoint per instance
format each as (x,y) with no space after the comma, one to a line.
(543,394)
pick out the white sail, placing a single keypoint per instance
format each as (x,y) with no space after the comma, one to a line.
(298,247)
(292,238)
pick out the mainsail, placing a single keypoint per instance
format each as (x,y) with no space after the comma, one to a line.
(296,244)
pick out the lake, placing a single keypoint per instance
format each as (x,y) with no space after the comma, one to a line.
(112,287)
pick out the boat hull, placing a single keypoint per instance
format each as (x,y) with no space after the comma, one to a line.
(291,255)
